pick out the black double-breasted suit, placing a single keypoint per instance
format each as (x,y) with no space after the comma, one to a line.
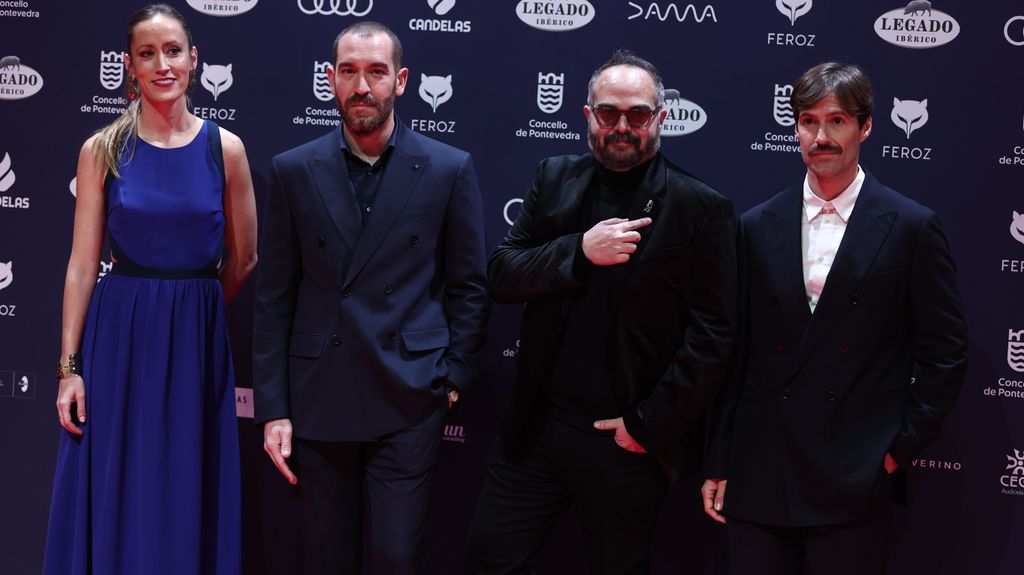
(819,399)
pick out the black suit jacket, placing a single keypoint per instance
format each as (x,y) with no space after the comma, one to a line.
(673,337)
(357,328)
(820,399)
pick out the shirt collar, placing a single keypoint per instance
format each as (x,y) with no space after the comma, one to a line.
(843,203)
(391,141)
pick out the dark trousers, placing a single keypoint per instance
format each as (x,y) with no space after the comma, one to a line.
(616,495)
(390,478)
(856,548)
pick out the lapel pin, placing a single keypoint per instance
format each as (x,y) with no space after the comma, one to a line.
(415,166)
(649,206)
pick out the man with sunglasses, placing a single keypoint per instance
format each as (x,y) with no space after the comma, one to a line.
(627,266)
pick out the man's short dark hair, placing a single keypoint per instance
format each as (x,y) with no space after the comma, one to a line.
(847,82)
(624,57)
(369,28)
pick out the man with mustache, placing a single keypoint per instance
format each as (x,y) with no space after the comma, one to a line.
(853,346)
(370,313)
(626,264)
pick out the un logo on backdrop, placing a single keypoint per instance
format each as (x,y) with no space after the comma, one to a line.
(111,69)
(550,88)
(782,109)
(321,83)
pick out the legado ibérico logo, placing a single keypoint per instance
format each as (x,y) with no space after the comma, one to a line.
(555,15)
(917,25)
(684,116)
(223,7)
(18,81)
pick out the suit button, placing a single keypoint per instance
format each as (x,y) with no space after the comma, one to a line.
(786,392)
(831,395)
(414,240)
(346,292)
(388,289)
(775,301)
(335,340)
(855,299)
(320,241)
(779,348)
(392,335)
(844,348)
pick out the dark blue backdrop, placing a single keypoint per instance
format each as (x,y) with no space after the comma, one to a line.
(955,70)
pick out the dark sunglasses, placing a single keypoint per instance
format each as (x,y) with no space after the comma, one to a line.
(607,116)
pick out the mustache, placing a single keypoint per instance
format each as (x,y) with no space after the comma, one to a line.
(830,148)
(627,137)
(363,99)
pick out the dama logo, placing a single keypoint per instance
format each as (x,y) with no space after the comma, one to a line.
(550,88)
(1017,227)
(216,78)
(793,9)
(909,115)
(111,69)
(782,110)
(7,177)
(671,10)
(1014,348)
(6,274)
(321,82)
(435,90)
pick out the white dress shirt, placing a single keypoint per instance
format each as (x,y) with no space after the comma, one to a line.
(821,231)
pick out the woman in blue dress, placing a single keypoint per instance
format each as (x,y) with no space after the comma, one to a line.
(147,478)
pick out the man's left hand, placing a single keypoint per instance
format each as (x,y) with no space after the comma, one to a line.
(622,437)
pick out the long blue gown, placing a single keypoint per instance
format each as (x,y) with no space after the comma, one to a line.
(152,487)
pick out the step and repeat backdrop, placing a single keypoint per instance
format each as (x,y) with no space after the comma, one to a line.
(506,80)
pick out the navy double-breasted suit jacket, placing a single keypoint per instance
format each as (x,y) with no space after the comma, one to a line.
(358,329)
(818,400)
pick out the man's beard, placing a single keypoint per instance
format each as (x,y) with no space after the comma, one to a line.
(623,160)
(360,124)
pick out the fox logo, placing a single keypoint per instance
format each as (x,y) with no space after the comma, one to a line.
(1017,227)
(793,9)
(6,274)
(909,114)
(216,79)
(435,90)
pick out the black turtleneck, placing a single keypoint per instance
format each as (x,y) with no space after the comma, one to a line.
(578,390)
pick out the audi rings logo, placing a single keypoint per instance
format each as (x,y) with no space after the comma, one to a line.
(518,202)
(1014,30)
(335,7)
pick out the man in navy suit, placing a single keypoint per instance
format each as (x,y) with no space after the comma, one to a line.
(370,313)
(853,347)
